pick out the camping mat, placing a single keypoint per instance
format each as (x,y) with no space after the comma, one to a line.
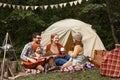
(110,65)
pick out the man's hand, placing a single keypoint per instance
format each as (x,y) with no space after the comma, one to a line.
(32,60)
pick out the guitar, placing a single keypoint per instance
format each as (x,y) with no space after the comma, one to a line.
(40,61)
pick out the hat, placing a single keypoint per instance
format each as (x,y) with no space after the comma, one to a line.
(77,36)
(35,45)
(62,49)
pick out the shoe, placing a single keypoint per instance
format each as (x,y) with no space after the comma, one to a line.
(54,68)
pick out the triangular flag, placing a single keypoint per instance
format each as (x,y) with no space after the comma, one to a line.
(32,7)
(64,4)
(51,6)
(36,7)
(61,5)
(71,3)
(23,7)
(41,7)
(56,5)
(18,7)
(13,6)
(75,2)
(26,7)
(1,4)
(9,5)
(4,5)
(46,6)
(79,1)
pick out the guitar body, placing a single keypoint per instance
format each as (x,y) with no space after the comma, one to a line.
(42,61)
(30,65)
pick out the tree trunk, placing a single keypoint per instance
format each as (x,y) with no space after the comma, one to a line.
(111,22)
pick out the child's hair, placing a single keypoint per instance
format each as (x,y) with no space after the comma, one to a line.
(35,45)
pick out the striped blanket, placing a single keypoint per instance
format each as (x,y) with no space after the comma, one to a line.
(110,65)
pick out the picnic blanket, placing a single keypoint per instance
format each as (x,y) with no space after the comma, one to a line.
(110,65)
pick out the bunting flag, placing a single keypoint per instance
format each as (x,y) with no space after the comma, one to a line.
(71,3)
(25,7)
(75,2)
(52,6)
(79,1)
(61,5)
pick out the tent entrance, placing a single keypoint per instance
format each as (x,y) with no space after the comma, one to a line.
(69,43)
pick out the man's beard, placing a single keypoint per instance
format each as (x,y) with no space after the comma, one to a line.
(38,42)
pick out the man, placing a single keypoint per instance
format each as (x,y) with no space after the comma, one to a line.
(27,50)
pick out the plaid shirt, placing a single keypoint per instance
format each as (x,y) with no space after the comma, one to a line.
(110,65)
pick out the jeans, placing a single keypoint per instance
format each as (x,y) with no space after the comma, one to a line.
(61,61)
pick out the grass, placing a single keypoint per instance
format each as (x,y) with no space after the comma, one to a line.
(91,74)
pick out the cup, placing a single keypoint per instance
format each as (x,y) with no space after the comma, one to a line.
(62,50)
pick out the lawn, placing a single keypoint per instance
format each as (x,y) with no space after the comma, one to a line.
(89,74)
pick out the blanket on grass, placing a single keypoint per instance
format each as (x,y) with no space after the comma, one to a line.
(110,65)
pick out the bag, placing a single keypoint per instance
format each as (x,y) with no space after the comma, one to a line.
(98,56)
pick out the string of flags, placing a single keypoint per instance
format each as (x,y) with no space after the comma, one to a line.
(25,7)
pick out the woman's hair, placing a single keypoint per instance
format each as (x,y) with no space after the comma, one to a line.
(78,39)
(78,43)
(77,36)
(52,36)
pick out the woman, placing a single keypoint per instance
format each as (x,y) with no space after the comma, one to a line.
(77,53)
(55,47)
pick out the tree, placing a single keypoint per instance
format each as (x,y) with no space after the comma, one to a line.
(111,21)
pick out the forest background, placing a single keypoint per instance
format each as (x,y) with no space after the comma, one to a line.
(103,15)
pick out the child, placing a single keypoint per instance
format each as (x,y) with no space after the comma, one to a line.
(37,55)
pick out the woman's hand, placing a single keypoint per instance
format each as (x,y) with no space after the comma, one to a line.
(70,52)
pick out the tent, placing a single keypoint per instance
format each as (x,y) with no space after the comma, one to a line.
(66,29)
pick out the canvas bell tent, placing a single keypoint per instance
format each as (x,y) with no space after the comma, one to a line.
(67,28)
